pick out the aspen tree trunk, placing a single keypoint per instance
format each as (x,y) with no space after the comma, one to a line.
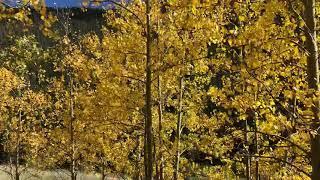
(72,117)
(137,163)
(155,157)
(17,162)
(256,139)
(103,170)
(160,113)
(160,173)
(16,173)
(257,151)
(248,159)
(145,160)
(103,175)
(246,138)
(176,169)
(148,118)
(294,110)
(313,82)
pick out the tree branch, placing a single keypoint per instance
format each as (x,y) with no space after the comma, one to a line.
(286,162)
(285,139)
(123,7)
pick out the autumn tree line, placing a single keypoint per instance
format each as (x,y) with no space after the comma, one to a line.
(203,89)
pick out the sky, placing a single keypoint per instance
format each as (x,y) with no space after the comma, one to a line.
(50,3)
(64,3)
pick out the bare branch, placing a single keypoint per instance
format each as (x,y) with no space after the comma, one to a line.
(283,161)
(123,7)
(284,139)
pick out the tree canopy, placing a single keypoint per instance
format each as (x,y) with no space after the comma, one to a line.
(164,90)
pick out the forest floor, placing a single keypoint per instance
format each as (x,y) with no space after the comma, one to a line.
(32,174)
